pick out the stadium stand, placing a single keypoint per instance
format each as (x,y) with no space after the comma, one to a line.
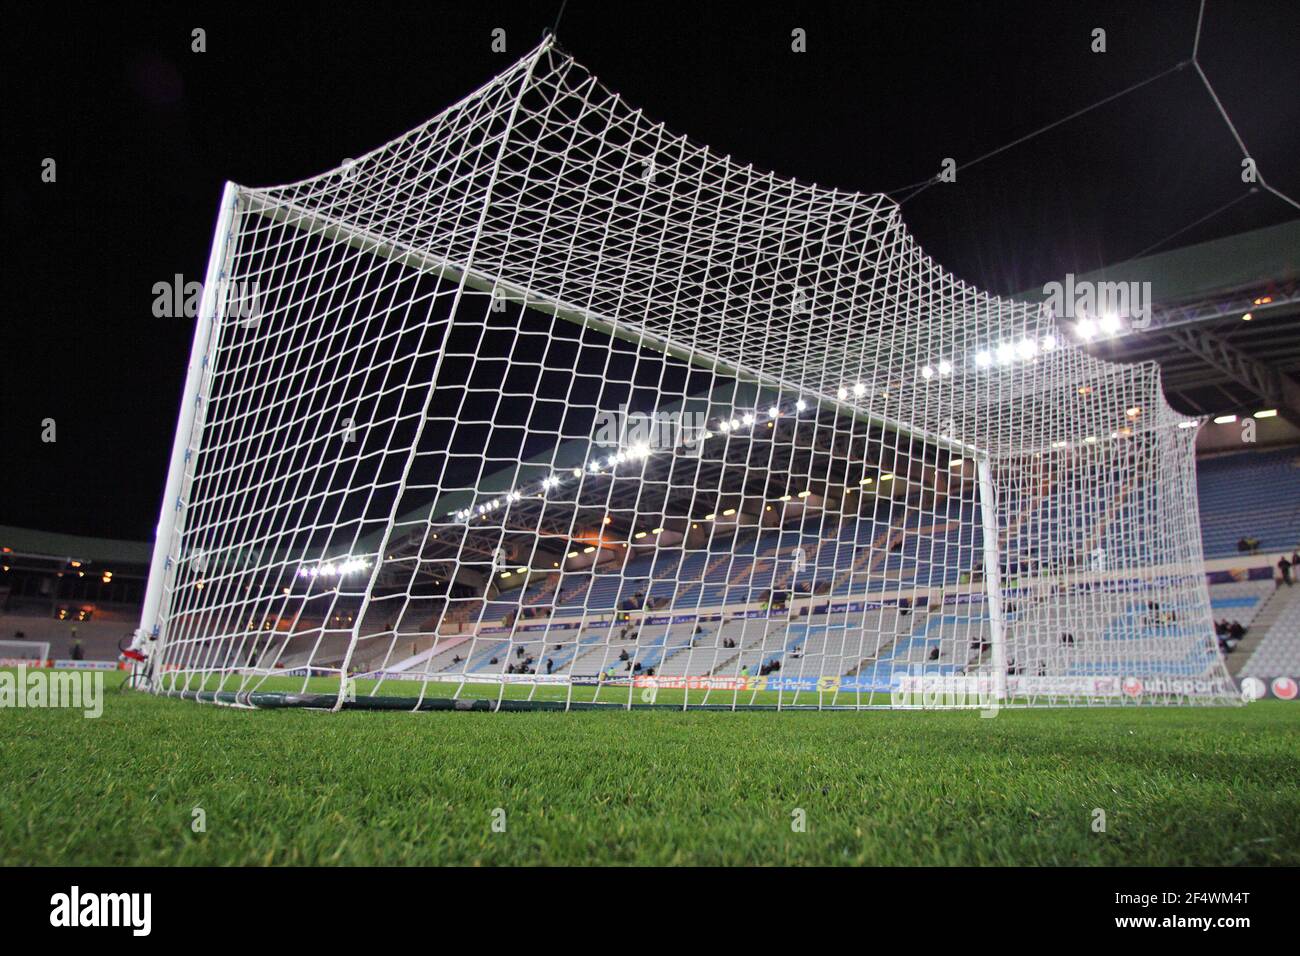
(1278,650)
(1250,494)
(1254,494)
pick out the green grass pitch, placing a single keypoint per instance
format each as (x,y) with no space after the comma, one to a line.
(1178,786)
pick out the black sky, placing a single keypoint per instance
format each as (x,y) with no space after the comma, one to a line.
(145,131)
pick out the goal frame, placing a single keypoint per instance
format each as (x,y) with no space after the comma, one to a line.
(240,205)
(151,635)
(42,659)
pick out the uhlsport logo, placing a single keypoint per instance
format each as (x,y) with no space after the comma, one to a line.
(1284,688)
(75,908)
(1132,686)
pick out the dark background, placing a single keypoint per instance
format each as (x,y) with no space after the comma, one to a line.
(145,131)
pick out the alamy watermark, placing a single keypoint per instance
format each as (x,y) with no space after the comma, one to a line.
(644,432)
(918,690)
(74,690)
(77,908)
(1086,300)
(241,301)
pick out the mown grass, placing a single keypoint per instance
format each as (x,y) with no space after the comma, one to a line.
(1203,786)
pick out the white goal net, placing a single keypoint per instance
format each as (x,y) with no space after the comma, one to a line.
(27,653)
(541,404)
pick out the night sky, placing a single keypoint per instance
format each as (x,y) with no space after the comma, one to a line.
(144,132)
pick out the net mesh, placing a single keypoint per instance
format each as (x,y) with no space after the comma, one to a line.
(542,401)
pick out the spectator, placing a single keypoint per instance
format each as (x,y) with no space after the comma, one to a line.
(550,665)
(78,652)
(1235,631)
(1284,566)
(934,653)
(494,661)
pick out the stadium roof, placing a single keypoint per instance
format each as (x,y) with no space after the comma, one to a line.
(1214,360)
(52,544)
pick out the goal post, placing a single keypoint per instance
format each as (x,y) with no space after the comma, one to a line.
(542,405)
(167,534)
(13,653)
(992,576)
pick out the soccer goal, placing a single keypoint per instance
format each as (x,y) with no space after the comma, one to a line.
(541,405)
(13,653)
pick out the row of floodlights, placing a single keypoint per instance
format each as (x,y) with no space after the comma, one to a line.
(334,569)
(1002,354)
(723,426)
(1229,419)
(885,477)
